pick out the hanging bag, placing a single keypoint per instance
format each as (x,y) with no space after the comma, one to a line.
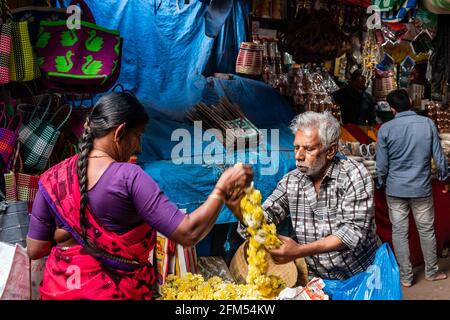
(27,186)
(5,52)
(23,64)
(8,136)
(14,221)
(21,186)
(86,60)
(33,121)
(10,179)
(38,147)
(5,45)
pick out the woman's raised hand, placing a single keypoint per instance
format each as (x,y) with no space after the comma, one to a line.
(234,180)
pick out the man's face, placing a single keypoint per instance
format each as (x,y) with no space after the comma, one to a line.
(310,157)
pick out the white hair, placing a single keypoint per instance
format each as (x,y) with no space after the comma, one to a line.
(327,125)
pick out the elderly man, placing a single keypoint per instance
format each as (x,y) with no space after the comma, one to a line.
(330,201)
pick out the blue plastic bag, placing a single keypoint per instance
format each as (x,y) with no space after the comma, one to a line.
(381,280)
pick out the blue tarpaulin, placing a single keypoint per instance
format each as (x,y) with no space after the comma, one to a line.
(166,53)
(166,47)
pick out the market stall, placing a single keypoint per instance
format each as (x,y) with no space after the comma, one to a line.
(247,67)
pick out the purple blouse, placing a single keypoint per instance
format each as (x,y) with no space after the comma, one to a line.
(124,197)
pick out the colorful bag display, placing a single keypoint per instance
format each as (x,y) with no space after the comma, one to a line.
(40,141)
(79,61)
(19,185)
(23,64)
(5,52)
(8,136)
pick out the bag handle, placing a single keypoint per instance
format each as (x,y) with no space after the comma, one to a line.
(87,13)
(19,124)
(120,86)
(20,107)
(67,117)
(17,159)
(6,12)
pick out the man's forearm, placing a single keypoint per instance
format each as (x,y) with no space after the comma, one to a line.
(328,244)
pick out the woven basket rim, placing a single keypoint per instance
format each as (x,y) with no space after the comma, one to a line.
(247,70)
(239,268)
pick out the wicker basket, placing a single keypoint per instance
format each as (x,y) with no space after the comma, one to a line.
(249,60)
(239,268)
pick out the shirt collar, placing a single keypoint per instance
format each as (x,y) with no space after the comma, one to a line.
(405,113)
(333,169)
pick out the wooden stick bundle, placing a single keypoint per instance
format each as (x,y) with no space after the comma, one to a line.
(220,117)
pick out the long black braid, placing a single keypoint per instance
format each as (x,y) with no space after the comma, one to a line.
(85,148)
(108,113)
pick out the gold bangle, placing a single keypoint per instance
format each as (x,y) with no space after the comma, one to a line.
(217,197)
(221,191)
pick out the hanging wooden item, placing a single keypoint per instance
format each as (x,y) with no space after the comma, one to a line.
(249,60)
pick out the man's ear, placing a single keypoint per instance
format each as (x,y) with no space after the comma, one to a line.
(119,132)
(332,150)
(393,111)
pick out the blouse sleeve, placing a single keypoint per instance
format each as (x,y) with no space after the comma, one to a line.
(42,222)
(152,204)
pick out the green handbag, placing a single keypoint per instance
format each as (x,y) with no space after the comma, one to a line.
(38,147)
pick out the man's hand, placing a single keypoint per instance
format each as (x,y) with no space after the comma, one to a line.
(288,251)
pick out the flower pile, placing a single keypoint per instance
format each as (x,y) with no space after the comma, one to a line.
(259,284)
(193,287)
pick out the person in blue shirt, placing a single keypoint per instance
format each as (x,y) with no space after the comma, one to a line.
(405,147)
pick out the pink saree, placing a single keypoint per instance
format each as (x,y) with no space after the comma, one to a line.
(118,270)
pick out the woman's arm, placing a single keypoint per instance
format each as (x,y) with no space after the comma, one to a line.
(186,229)
(37,249)
(41,229)
(195,226)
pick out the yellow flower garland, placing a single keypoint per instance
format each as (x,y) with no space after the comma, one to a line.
(262,235)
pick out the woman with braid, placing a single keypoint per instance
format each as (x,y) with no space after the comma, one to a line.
(96,215)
